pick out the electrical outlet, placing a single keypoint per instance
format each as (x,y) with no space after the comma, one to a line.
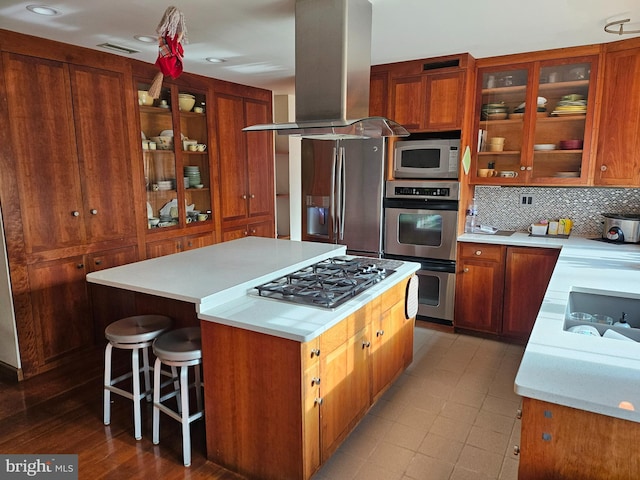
(526,200)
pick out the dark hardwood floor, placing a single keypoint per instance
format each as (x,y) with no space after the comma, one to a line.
(61,412)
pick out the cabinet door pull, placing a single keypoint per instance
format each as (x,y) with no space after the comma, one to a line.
(253,196)
(516,450)
(253,231)
(379,333)
(529,169)
(244,197)
(465,269)
(603,168)
(80,266)
(522,167)
(75,213)
(93,211)
(478,252)
(318,401)
(519,413)
(315,381)
(98,262)
(315,352)
(366,344)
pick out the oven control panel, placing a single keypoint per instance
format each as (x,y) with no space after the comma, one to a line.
(421,189)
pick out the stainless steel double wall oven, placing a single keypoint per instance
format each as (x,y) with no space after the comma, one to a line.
(421,220)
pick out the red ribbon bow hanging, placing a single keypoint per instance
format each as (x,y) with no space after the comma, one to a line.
(172,32)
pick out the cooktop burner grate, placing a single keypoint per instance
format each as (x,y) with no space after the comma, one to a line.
(329,283)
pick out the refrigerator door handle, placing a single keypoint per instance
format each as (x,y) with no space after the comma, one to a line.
(332,195)
(343,192)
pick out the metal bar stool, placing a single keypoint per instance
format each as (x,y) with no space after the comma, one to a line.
(178,348)
(131,333)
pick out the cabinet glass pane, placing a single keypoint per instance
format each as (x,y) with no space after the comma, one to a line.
(158,155)
(195,160)
(559,132)
(501,122)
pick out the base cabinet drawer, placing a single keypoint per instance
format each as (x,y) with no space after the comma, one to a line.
(564,443)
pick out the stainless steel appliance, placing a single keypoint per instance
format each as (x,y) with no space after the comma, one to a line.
(342,192)
(420,225)
(421,219)
(333,63)
(329,283)
(621,228)
(426,159)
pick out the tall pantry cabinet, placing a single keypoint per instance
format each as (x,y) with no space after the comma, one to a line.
(246,161)
(66,190)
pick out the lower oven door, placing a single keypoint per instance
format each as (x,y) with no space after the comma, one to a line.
(436,289)
(436,292)
(422,233)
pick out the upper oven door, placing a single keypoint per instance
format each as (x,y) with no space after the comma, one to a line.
(420,232)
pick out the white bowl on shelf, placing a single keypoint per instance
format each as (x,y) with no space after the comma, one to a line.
(544,146)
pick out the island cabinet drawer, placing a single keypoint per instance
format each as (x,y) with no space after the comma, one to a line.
(481,251)
(564,443)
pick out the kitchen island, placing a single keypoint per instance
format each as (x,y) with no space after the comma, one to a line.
(284,383)
(581,393)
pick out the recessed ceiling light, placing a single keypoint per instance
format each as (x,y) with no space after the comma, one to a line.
(42,10)
(214,60)
(146,38)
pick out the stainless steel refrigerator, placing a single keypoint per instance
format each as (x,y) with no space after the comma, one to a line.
(342,193)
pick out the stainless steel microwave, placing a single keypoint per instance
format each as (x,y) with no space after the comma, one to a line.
(426,159)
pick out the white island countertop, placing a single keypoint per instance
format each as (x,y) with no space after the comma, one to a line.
(595,374)
(219,280)
(215,274)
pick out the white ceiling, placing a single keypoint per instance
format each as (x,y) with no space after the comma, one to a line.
(256,37)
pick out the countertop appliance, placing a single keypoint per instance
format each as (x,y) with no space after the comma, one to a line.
(342,192)
(621,228)
(329,283)
(421,220)
(426,159)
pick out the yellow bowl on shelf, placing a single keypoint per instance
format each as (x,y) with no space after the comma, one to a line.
(186,102)
(144,98)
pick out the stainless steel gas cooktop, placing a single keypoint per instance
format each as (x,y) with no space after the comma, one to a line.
(329,283)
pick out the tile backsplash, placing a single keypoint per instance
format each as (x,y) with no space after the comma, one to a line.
(500,206)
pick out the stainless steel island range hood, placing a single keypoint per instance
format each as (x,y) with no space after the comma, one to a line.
(333,62)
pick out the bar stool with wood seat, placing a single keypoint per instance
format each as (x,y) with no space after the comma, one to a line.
(178,348)
(131,333)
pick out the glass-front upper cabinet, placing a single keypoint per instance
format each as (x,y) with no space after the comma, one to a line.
(501,106)
(561,137)
(176,172)
(534,122)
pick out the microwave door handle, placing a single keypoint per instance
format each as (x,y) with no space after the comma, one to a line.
(332,195)
(343,192)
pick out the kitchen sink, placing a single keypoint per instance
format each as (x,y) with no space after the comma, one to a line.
(604,303)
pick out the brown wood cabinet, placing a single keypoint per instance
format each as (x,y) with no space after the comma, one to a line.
(564,443)
(499,289)
(278,408)
(65,121)
(261,229)
(76,180)
(60,302)
(617,161)
(479,287)
(527,274)
(535,106)
(424,95)
(167,246)
(66,191)
(246,160)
